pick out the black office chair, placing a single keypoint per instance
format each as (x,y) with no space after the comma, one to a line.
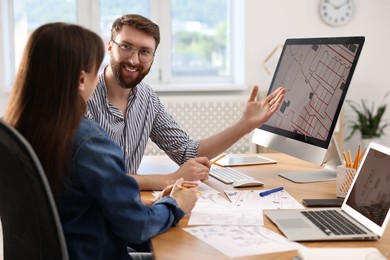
(31,226)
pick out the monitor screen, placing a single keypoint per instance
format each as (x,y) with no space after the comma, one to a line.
(316,73)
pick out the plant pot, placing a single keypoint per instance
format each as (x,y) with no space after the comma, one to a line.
(366,140)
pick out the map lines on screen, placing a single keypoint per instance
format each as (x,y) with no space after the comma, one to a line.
(314,77)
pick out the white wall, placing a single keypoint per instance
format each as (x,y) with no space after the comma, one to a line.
(269,23)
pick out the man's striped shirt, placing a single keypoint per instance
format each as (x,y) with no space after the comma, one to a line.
(145,117)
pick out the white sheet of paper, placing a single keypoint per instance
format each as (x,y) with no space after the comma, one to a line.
(227,216)
(245,208)
(211,201)
(206,189)
(238,241)
(252,199)
(319,253)
(213,209)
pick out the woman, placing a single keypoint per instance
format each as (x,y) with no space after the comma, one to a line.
(99,205)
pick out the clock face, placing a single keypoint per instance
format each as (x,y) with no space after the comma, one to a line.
(336,12)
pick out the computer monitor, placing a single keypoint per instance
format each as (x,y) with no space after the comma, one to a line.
(316,73)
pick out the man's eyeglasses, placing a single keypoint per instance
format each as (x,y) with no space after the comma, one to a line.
(127,50)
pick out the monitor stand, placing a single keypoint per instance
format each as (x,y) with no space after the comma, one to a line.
(327,173)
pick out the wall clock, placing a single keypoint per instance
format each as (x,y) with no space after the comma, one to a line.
(336,12)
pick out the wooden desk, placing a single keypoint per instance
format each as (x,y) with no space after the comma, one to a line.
(178,244)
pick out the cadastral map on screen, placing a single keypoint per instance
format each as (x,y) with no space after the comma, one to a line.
(314,77)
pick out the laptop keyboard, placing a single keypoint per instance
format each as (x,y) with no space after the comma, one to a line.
(331,222)
(228,175)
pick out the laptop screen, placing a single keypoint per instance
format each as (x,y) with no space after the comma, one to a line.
(370,194)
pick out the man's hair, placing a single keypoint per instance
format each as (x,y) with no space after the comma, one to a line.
(137,22)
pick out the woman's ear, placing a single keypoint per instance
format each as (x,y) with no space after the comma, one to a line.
(82,81)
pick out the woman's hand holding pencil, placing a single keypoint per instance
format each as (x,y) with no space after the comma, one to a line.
(185,196)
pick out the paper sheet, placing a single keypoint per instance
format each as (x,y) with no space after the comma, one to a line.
(252,199)
(237,241)
(245,208)
(230,216)
(206,189)
(213,209)
(319,253)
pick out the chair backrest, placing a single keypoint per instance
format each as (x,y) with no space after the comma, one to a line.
(31,225)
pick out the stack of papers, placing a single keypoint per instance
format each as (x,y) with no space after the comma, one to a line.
(244,208)
(234,226)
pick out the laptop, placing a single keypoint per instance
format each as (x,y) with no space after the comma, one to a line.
(366,206)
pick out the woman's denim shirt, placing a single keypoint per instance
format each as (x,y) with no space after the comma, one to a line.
(100,207)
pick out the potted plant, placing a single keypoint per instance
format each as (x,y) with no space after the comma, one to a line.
(369,121)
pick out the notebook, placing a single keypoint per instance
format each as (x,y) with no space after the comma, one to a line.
(366,206)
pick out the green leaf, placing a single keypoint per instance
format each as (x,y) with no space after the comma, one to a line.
(368,121)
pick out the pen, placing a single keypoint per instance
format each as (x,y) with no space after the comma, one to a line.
(268,192)
(217,158)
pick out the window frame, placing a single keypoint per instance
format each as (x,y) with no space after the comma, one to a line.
(159,76)
(7,62)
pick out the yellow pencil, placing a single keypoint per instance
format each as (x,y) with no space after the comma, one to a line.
(186,188)
(350,159)
(217,158)
(345,159)
(356,161)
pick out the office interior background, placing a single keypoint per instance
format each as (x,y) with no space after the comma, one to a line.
(259,27)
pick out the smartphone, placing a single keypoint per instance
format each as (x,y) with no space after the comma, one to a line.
(322,202)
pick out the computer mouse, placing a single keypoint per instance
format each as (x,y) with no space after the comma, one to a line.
(247,183)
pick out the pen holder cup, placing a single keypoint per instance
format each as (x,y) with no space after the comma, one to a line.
(344,180)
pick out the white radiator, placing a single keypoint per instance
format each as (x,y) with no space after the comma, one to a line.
(203,116)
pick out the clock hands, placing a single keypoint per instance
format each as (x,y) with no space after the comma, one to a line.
(338,6)
(336,12)
(341,5)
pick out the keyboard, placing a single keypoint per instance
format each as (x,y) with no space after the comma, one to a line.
(331,222)
(228,175)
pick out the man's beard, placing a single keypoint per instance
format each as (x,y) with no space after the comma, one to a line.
(120,79)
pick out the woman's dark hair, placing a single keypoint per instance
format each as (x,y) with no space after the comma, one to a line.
(45,105)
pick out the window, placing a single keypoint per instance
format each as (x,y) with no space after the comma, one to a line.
(110,10)
(28,15)
(199,38)
(196,35)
